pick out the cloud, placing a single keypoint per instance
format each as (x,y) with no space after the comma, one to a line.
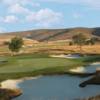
(12,2)
(86,3)
(18,9)
(21,2)
(93,3)
(19,6)
(45,17)
(9,19)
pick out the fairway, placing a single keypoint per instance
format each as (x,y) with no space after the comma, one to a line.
(32,64)
(39,64)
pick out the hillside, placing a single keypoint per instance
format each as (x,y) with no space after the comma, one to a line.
(53,34)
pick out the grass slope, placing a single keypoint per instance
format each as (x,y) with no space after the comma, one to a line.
(54,34)
(38,64)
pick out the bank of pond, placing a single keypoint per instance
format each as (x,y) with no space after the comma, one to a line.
(59,87)
(63,87)
(60,77)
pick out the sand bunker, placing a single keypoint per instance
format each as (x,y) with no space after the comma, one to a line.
(13,84)
(78,69)
(10,84)
(70,56)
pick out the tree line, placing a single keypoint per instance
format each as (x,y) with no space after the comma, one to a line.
(79,39)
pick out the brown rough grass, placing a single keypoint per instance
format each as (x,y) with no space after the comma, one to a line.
(55,48)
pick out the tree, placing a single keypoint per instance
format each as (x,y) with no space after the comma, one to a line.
(70,43)
(6,43)
(93,40)
(15,44)
(79,39)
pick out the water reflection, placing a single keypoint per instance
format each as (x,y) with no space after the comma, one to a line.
(62,87)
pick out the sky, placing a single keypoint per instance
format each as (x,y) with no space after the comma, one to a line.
(21,15)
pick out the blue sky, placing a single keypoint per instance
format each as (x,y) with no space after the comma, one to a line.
(19,15)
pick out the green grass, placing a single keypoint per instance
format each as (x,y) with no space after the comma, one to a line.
(38,64)
(24,65)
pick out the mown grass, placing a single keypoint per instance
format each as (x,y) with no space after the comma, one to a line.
(39,64)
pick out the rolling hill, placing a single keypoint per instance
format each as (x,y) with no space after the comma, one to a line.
(44,35)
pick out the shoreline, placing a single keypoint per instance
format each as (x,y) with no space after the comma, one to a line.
(14,83)
(10,88)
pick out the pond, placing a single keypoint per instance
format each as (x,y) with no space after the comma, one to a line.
(92,68)
(58,87)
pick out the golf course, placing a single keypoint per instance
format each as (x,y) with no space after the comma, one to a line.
(49,50)
(39,64)
(32,65)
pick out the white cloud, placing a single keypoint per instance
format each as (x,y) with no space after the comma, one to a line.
(45,17)
(86,3)
(12,2)
(1,19)
(9,19)
(93,3)
(17,8)
(21,2)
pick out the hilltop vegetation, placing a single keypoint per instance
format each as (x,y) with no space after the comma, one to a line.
(54,34)
(52,40)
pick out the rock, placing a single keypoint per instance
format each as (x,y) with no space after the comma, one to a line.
(8,94)
(95,80)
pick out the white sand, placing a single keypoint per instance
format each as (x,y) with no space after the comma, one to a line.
(95,63)
(13,84)
(64,56)
(78,69)
(58,56)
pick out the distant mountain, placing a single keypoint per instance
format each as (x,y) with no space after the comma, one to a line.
(53,34)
